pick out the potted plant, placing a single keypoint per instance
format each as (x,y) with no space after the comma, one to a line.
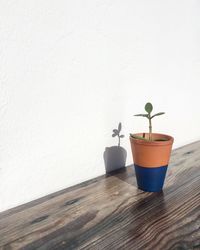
(151,154)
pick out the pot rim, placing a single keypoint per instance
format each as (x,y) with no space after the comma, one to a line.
(153,143)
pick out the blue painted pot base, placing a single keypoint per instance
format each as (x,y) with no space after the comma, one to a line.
(150,179)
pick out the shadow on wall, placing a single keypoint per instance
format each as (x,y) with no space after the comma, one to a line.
(115,156)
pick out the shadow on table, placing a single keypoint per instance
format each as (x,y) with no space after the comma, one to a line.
(115,160)
(150,202)
(115,156)
(146,211)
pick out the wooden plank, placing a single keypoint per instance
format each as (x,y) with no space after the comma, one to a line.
(109,212)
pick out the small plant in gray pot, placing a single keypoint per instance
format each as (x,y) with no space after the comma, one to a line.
(151,154)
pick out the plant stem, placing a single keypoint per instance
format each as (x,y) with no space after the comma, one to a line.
(118,141)
(150,129)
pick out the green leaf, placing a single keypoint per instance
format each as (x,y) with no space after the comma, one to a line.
(160,113)
(148,107)
(161,139)
(139,137)
(113,135)
(143,115)
(121,136)
(146,139)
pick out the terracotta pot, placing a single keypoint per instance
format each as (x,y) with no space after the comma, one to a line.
(151,160)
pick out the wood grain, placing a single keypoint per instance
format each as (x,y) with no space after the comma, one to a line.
(109,212)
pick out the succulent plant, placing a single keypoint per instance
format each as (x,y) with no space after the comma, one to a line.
(116,132)
(149,108)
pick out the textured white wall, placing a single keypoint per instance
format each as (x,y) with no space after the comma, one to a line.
(71,70)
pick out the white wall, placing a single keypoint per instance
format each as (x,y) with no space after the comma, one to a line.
(71,70)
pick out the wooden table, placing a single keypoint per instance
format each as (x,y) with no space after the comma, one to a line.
(109,212)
